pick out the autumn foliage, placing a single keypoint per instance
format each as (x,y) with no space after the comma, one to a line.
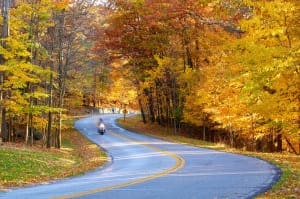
(45,46)
(229,67)
(223,71)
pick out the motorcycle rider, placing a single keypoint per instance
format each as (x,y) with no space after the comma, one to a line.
(101,126)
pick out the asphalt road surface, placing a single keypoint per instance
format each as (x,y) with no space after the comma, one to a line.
(142,167)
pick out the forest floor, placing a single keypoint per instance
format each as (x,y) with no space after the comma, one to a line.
(22,165)
(287,187)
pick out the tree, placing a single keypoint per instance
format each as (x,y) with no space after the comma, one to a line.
(42,47)
(4,35)
(274,73)
(144,32)
(256,78)
(71,47)
(21,74)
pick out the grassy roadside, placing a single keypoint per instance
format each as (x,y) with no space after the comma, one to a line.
(287,187)
(21,165)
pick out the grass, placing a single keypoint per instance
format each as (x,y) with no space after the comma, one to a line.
(21,165)
(287,187)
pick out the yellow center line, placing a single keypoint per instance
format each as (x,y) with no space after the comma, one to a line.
(179,163)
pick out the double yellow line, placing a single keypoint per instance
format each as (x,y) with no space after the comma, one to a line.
(179,163)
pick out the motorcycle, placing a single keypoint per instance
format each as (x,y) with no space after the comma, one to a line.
(101,129)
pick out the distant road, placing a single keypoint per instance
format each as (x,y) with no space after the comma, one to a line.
(143,167)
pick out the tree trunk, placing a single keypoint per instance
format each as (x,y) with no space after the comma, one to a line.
(150,105)
(10,136)
(1,99)
(4,34)
(270,144)
(44,136)
(95,88)
(31,129)
(61,73)
(3,125)
(231,136)
(204,132)
(50,104)
(59,131)
(174,104)
(290,145)
(279,142)
(48,142)
(167,108)
(51,32)
(189,57)
(27,129)
(142,110)
(158,109)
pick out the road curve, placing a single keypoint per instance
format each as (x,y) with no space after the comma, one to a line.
(143,167)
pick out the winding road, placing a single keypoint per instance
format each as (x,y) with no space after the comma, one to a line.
(142,167)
